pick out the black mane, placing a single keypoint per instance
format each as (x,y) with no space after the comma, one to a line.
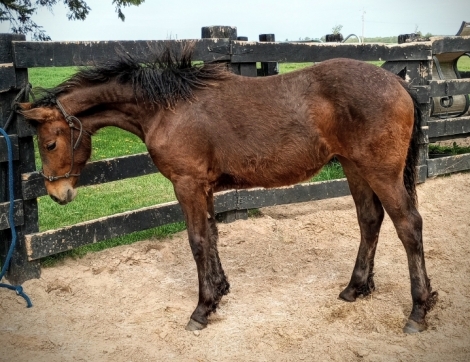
(162,79)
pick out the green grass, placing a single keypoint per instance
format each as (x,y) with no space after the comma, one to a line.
(107,199)
(463,64)
(49,77)
(289,67)
(330,171)
(455,149)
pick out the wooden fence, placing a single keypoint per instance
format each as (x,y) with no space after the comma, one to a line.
(220,44)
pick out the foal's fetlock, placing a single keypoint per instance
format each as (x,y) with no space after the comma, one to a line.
(417,320)
(358,286)
(221,287)
(199,318)
(432,300)
(432,297)
(350,293)
(224,287)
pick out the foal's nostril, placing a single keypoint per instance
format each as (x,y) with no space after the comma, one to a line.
(69,195)
(55,199)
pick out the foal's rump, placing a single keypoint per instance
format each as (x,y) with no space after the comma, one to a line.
(373,112)
(376,123)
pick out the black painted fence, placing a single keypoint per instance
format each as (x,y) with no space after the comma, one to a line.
(219,44)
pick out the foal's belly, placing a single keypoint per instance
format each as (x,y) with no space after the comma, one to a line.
(280,162)
(267,178)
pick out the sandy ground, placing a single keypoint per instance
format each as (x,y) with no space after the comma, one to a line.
(286,270)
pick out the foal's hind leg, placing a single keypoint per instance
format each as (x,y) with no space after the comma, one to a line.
(370,215)
(409,224)
(197,203)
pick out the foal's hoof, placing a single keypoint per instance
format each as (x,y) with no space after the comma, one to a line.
(414,327)
(348,294)
(194,326)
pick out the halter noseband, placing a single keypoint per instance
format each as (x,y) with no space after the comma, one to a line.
(71,120)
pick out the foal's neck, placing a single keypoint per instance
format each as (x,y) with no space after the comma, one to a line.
(108,104)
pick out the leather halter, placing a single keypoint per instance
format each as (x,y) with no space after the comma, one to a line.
(71,120)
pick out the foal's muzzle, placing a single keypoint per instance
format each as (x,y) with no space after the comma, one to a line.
(63,196)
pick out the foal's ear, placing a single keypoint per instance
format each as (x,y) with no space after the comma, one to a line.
(25,106)
(36,114)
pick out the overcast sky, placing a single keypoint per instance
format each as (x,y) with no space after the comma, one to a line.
(290,19)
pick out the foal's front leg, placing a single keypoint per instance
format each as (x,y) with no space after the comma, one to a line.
(197,203)
(219,278)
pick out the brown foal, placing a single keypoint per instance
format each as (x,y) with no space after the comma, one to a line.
(208,130)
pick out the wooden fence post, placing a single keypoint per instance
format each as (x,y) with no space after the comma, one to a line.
(424,70)
(268,68)
(218,31)
(245,69)
(12,80)
(229,32)
(221,32)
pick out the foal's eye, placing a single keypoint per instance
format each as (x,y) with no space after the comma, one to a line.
(50,146)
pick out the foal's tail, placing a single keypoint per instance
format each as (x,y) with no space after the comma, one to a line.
(410,172)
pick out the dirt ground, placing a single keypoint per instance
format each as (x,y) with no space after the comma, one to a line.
(286,269)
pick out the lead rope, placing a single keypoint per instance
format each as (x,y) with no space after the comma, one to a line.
(18,288)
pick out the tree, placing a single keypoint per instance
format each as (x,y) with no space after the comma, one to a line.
(336,29)
(20,12)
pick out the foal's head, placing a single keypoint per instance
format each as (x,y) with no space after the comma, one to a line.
(161,82)
(64,148)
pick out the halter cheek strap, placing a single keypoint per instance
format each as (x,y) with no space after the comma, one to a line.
(71,120)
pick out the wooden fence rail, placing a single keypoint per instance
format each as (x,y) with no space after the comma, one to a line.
(413,60)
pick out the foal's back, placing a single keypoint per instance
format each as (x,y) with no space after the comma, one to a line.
(280,130)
